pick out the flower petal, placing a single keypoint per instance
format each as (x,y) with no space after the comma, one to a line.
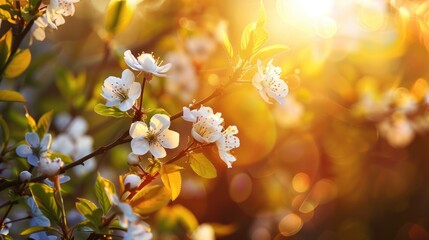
(33,139)
(131,61)
(135,91)
(159,122)
(188,115)
(138,130)
(169,139)
(127,77)
(24,150)
(139,146)
(33,160)
(126,105)
(46,142)
(157,150)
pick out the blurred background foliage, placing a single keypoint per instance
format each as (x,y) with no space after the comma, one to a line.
(345,157)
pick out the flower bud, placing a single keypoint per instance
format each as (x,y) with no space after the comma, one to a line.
(131,181)
(50,167)
(133,159)
(24,176)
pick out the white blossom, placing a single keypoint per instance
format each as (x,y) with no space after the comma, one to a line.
(397,130)
(138,230)
(132,181)
(204,232)
(122,92)
(226,143)
(125,211)
(50,167)
(269,84)
(145,62)
(182,79)
(4,229)
(207,126)
(35,149)
(38,220)
(154,138)
(200,48)
(24,176)
(133,159)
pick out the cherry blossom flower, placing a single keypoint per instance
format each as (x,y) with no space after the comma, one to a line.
(397,130)
(4,229)
(182,80)
(269,84)
(131,181)
(125,211)
(145,62)
(24,176)
(204,232)
(226,143)
(138,230)
(73,141)
(154,138)
(133,159)
(36,149)
(122,92)
(200,48)
(50,167)
(207,126)
(38,220)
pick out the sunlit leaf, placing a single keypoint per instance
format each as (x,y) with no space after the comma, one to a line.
(21,60)
(102,110)
(186,217)
(37,229)
(118,15)
(103,188)
(44,198)
(223,229)
(170,176)
(254,36)
(31,122)
(5,133)
(44,123)
(90,211)
(202,166)
(227,44)
(150,199)
(11,96)
(269,52)
(5,45)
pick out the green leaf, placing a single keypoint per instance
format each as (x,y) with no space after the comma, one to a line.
(21,60)
(5,133)
(102,110)
(118,15)
(269,52)
(90,211)
(44,123)
(44,197)
(202,166)
(5,45)
(170,176)
(104,188)
(11,96)
(254,35)
(227,44)
(65,158)
(187,218)
(36,229)
(150,199)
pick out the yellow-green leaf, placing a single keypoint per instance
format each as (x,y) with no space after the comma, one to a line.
(103,188)
(269,52)
(118,15)
(202,166)
(102,110)
(187,218)
(11,96)
(19,63)
(150,199)
(31,122)
(227,44)
(5,45)
(36,229)
(44,123)
(170,176)
(254,35)
(90,211)
(44,198)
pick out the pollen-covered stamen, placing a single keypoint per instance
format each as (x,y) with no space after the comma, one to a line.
(120,93)
(152,137)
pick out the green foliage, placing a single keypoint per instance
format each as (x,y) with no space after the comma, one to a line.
(268,52)
(150,199)
(37,229)
(71,87)
(5,45)
(11,96)
(44,123)
(170,176)
(118,16)
(202,166)
(170,218)
(104,188)
(5,134)
(254,36)
(21,60)
(90,211)
(45,200)
(102,110)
